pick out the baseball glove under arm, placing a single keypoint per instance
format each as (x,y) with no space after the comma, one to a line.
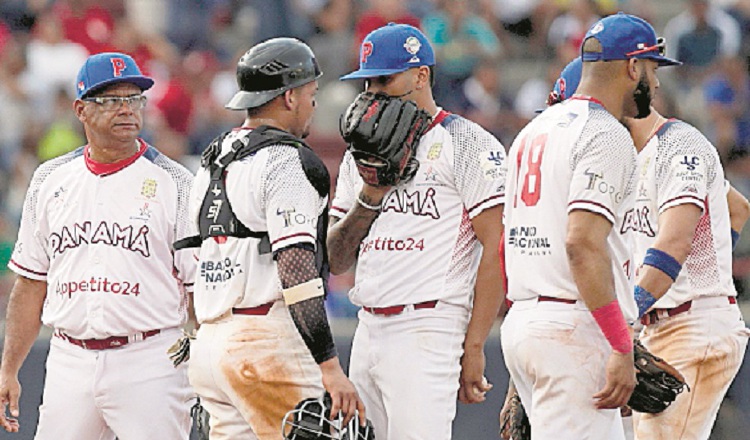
(658,382)
(514,423)
(382,133)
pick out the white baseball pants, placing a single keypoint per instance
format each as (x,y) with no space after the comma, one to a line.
(249,371)
(556,355)
(707,345)
(406,369)
(132,393)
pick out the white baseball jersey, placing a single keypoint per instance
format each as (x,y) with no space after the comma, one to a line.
(575,155)
(101,236)
(268,191)
(679,165)
(422,246)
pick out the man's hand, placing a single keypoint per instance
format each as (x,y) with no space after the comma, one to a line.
(10,391)
(344,397)
(474,385)
(620,374)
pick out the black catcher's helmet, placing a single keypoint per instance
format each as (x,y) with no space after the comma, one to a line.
(270,68)
(309,421)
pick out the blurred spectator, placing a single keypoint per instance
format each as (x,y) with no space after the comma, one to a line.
(63,134)
(529,19)
(87,23)
(52,63)
(483,101)
(189,23)
(147,16)
(4,36)
(19,15)
(700,34)
(525,18)
(152,52)
(380,13)
(208,117)
(460,38)
(740,11)
(16,111)
(533,94)
(332,41)
(231,25)
(727,94)
(569,28)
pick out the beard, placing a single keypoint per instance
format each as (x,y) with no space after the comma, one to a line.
(642,97)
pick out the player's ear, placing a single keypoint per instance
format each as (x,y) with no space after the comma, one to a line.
(289,99)
(79,108)
(423,77)
(633,69)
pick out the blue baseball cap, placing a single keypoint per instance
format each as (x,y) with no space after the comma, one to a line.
(566,85)
(109,68)
(391,49)
(625,36)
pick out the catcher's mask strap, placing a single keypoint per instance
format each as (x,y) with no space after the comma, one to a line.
(304,291)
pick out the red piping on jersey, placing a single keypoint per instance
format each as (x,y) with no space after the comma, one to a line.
(293,235)
(105,169)
(341,210)
(587,98)
(595,204)
(442,114)
(44,274)
(485,201)
(685,196)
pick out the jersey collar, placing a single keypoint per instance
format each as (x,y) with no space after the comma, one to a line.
(441,114)
(105,169)
(587,98)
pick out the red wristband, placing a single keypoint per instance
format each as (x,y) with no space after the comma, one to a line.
(613,325)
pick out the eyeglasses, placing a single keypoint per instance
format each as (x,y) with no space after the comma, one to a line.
(660,47)
(112,103)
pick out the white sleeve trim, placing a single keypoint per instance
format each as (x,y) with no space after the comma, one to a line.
(594,207)
(25,272)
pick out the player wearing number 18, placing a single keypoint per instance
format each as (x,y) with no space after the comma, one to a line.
(571,179)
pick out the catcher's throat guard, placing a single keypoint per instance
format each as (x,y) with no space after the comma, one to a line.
(383,133)
(309,420)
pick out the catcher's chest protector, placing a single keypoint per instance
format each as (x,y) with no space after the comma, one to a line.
(217,219)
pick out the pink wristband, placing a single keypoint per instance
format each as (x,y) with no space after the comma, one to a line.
(613,325)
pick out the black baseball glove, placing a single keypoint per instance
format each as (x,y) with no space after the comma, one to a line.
(514,423)
(382,133)
(658,382)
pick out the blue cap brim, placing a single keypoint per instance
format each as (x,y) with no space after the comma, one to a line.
(664,61)
(371,73)
(143,82)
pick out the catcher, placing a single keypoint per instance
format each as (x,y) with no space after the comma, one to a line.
(412,211)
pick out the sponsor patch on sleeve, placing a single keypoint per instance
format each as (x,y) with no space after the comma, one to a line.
(491,163)
(688,168)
